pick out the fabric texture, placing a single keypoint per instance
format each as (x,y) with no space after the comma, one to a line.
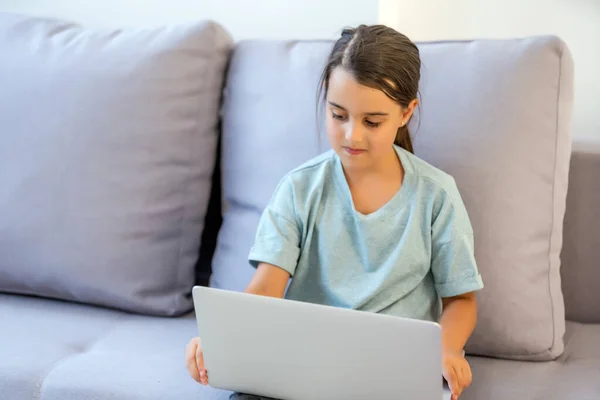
(506,140)
(573,375)
(495,117)
(580,257)
(107,149)
(255,155)
(398,260)
(64,351)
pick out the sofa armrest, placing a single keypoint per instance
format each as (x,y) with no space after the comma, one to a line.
(580,269)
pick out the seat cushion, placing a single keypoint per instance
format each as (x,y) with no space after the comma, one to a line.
(574,375)
(107,148)
(55,350)
(65,351)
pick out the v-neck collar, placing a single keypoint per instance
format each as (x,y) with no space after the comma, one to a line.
(394,205)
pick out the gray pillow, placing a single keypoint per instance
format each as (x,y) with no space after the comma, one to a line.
(495,115)
(107,145)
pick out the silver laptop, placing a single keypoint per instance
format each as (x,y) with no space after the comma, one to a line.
(292,350)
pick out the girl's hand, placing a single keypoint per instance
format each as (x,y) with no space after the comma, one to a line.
(457,372)
(194,361)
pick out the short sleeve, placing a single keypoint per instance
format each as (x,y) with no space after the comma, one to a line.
(453,261)
(277,239)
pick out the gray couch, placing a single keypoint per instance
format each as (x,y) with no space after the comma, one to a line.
(98,129)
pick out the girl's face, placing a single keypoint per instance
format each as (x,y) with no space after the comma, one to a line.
(361,121)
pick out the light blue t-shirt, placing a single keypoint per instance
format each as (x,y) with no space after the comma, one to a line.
(400,260)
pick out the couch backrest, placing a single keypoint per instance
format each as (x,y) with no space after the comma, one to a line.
(580,268)
(496,116)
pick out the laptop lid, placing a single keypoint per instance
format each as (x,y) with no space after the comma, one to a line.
(292,350)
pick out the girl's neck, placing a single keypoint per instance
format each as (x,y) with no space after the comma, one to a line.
(388,168)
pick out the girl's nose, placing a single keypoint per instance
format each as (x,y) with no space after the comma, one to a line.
(353,133)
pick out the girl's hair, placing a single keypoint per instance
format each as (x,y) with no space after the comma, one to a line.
(381,58)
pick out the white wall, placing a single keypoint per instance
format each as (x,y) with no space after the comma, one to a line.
(271,19)
(577,22)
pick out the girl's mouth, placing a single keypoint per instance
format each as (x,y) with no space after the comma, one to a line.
(353,152)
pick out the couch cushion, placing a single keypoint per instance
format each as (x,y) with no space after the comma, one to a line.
(574,375)
(580,269)
(495,116)
(506,140)
(255,154)
(61,351)
(106,154)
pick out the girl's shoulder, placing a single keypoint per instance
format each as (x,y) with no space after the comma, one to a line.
(308,167)
(303,181)
(439,189)
(313,171)
(429,177)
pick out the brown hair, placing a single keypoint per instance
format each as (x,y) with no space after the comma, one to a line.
(382,58)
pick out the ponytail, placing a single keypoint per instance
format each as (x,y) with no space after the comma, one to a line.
(403,139)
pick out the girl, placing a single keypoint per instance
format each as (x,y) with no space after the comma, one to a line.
(368,225)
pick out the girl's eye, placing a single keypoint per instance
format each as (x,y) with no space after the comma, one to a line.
(337,116)
(372,124)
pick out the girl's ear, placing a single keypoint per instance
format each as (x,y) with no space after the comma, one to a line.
(408,111)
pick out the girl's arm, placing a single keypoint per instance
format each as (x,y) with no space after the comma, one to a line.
(268,280)
(458,321)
